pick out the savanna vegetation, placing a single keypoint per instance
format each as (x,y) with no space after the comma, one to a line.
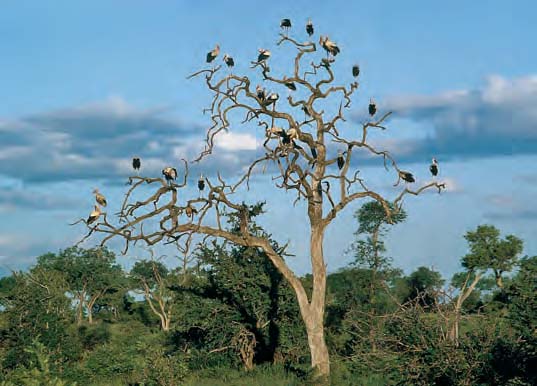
(229,318)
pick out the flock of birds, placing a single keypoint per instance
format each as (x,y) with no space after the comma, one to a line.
(287,137)
(170,175)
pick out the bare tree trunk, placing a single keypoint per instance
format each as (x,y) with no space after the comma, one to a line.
(80,308)
(314,318)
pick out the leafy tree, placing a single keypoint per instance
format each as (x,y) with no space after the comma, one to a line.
(90,275)
(423,285)
(35,306)
(488,251)
(250,308)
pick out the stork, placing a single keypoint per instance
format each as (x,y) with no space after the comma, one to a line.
(434,167)
(355,70)
(271,99)
(136,163)
(372,107)
(228,60)
(406,176)
(289,84)
(261,93)
(101,200)
(309,28)
(201,183)
(285,24)
(94,215)
(169,174)
(330,46)
(263,55)
(211,55)
(340,160)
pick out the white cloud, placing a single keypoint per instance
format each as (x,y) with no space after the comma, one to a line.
(236,141)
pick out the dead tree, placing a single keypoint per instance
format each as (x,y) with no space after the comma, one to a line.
(301,157)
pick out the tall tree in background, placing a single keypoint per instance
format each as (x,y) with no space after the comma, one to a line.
(487,253)
(303,135)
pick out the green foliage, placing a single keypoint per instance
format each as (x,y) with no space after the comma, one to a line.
(487,251)
(38,371)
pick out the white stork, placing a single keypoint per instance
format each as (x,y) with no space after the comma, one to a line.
(94,215)
(263,55)
(101,200)
(330,46)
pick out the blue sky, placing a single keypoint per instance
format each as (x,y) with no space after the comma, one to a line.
(84,86)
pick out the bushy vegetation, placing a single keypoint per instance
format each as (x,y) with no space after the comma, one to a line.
(76,318)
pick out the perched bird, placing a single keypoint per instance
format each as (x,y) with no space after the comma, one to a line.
(406,176)
(330,46)
(340,160)
(285,24)
(101,200)
(261,93)
(211,55)
(289,84)
(292,134)
(228,60)
(190,212)
(434,167)
(169,174)
(94,215)
(263,55)
(309,27)
(136,163)
(271,99)
(372,107)
(355,70)
(201,183)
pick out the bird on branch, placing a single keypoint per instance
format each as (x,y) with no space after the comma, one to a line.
(170,174)
(211,55)
(94,215)
(101,200)
(201,184)
(340,160)
(406,176)
(263,55)
(329,46)
(289,84)
(285,24)
(228,60)
(261,93)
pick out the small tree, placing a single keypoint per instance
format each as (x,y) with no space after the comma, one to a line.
(487,252)
(154,279)
(90,274)
(303,155)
